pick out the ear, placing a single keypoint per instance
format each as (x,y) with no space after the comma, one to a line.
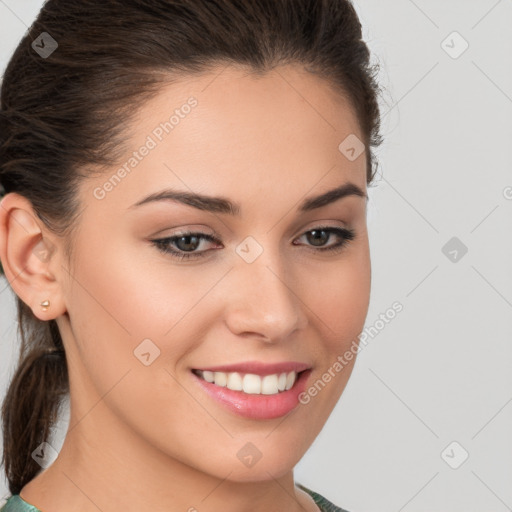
(30,258)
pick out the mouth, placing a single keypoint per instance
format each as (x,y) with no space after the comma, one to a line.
(254,390)
(251,383)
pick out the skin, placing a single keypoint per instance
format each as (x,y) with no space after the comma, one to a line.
(147,437)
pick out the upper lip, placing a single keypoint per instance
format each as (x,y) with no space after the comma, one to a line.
(259,368)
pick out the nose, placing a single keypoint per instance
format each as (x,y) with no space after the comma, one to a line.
(263,299)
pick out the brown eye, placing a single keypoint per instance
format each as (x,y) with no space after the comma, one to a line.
(186,244)
(318,237)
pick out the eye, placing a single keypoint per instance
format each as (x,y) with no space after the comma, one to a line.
(319,235)
(187,243)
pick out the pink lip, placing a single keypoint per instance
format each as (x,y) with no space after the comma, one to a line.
(258,368)
(256,406)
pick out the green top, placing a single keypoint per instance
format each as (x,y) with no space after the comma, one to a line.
(17,504)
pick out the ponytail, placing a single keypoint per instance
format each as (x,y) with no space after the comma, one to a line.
(31,405)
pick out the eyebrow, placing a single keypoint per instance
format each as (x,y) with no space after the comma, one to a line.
(223,205)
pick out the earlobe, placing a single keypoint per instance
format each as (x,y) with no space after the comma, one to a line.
(26,253)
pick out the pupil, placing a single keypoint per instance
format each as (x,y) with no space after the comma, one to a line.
(187,237)
(321,238)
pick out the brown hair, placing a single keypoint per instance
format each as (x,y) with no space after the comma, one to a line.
(62,115)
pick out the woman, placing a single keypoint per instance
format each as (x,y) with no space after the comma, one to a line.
(184,227)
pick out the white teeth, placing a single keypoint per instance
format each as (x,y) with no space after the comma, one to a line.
(290,380)
(220,379)
(250,383)
(234,381)
(269,385)
(208,376)
(281,382)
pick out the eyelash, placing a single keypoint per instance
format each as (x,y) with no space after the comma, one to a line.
(162,244)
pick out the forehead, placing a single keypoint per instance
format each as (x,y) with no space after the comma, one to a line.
(234,96)
(235,132)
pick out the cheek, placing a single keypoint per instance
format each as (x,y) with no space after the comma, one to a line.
(119,301)
(339,300)
(338,296)
(121,305)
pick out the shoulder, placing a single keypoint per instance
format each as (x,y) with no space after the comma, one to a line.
(323,503)
(16,504)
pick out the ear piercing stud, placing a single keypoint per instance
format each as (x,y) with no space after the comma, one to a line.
(45,305)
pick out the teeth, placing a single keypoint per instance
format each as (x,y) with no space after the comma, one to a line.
(281,382)
(220,379)
(208,376)
(250,383)
(269,385)
(290,380)
(234,382)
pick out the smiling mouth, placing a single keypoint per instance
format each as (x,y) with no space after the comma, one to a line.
(251,383)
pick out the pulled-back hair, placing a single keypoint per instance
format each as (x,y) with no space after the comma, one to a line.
(63,117)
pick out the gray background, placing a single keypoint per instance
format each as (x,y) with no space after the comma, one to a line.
(440,371)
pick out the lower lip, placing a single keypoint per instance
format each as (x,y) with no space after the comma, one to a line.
(262,407)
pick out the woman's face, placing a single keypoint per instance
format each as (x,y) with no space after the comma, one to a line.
(260,294)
